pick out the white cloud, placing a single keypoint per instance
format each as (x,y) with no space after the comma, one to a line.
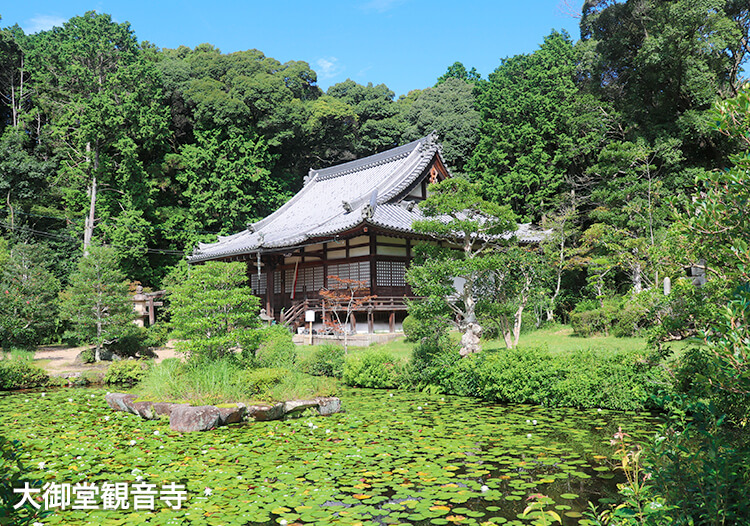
(381,6)
(43,23)
(328,67)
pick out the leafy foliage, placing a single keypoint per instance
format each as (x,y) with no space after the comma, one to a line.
(376,369)
(19,373)
(213,312)
(97,302)
(126,372)
(28,297)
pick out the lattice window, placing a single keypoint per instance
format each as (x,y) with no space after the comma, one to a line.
(258,288)
(359,271)
(277,282)
(391,273)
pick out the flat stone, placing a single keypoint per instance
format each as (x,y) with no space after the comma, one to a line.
(329,405)
(143,409)
(264,412)
(164,408)
(299,405)
(232,415)
(185,418)
(120,402)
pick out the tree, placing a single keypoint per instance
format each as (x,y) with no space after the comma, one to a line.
(213,312)
(458,71)
(345,295)
(97,302)
(456,215)
(537,131)
(661,64)
(99,90)
(380,122)
(448,108)
(28,297)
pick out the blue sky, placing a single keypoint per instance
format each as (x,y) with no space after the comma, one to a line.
(405,44)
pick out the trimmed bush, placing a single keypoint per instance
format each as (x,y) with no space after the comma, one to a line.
(20,373)
(275,348)
(260,381)
(376,369)
(126,372)
(327,360)
(584,379)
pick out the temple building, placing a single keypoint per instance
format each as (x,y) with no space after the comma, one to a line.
(353,221)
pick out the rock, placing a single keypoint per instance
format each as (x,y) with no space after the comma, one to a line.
(298,405)
(105,355)
(164,408)
(470,340)
(120,402)
(232,415)
(185,418)
(264,412)
(328,406)
(143,409)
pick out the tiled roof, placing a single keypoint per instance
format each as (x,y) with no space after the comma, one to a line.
(334,200)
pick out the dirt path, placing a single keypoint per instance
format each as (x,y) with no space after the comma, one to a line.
(58,359)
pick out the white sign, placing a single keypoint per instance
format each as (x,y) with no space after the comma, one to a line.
(309,315)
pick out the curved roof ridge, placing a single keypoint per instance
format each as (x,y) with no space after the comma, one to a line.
(367,162)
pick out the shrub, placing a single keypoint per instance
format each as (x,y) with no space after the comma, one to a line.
(412,329)
(130,342)
(376,369)
(126,372)
(88,356)
(20,373)
(275,348)
(260,381)
(327,360)
(701,466)
(583,379)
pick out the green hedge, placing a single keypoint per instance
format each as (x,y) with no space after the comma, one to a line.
(584,379)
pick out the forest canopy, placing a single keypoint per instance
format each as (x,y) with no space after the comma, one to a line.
(106,139)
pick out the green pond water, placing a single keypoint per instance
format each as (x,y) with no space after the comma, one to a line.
(390,458)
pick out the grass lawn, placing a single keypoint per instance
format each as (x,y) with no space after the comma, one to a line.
(557,338)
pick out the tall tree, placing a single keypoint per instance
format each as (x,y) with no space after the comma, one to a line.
(661,64)
(451,277)
(97,302)
(28,297)
(101,96)
(538,130)
(448,108)
(380,122)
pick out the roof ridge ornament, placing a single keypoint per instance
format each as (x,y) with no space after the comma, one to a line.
(347,206)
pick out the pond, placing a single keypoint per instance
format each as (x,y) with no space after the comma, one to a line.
(392,458)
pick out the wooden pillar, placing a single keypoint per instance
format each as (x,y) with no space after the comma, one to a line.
(373,264)
(370,321)
(353,319)
(392,321)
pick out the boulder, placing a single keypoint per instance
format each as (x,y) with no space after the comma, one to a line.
(299,405)
(163,408)
(265,412)
(232,415)
(185,418)
(143,409)
(120,402)
(329,405)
